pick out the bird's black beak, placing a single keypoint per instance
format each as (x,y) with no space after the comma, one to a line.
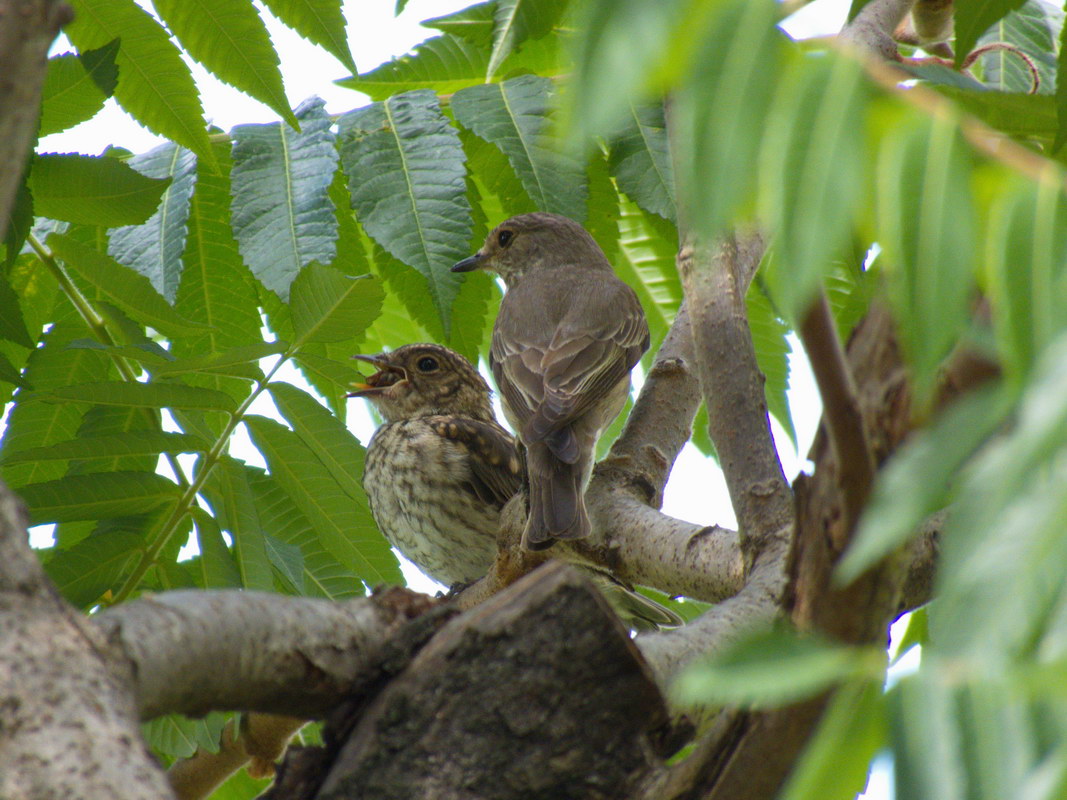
(468,264)
(381,380)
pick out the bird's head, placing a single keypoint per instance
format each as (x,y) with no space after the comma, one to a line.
(532,241)
(419,380)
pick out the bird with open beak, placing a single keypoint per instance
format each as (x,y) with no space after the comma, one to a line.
(440,470)
(567,335)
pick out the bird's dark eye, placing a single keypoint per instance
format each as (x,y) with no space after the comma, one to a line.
(504,237)
(427,364)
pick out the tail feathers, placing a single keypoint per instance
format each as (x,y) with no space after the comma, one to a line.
(561,441)
(557,508)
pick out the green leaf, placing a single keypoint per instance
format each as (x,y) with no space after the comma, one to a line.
(120,285)
(514,115)
(474,24)
(148,395)
(1000,573)
(96,496)
(918,479)
(616,54)
(641,160)
(515,21)
(318,21)
(443,64)
(95,190)
(216,288)
(925,736)
(42,424)
(180,737)
(812,174)
(95,565)
(720,113)
(344,530)
(101,67)
(1034,29)
(331,442)
(228,491)
(288,561)
(407,178)
(229,38)
(140,444)
(155,247)
(322,575)
(1027,251)
(283,217)
(1061,94)
(770,337)
(232,362)
(855,8)
(926,227)
(648,247)
(972,18)
(69,95)
(155,86)
(1029,117)
(774,668)
(12,324)
(330,307)
(218,570)
(9,374)
(836,763)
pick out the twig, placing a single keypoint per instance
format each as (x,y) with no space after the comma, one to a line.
(841,410)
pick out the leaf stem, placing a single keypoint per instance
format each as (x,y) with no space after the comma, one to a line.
(98,326)
(188,497)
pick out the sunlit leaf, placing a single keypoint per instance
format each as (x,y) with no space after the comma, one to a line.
(229,38)
(318,21)
(154,85)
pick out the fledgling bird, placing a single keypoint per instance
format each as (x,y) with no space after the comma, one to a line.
(440,470)
(567,335)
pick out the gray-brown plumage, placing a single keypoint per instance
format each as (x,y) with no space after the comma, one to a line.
(567,335)
(441,468)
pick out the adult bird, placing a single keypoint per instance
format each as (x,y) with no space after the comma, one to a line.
(567,335)
(440,470)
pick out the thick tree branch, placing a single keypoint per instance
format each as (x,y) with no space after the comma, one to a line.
(27,29)
(68,724)
(661,421)
(194,652)
(732,385)
(872,28)
(841,412)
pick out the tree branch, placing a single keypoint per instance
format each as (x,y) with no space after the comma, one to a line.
(732,385)
(27,29)
(841,412)
(63,689)
(872,28)
(194,652)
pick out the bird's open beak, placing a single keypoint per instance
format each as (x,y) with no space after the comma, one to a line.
(387,375)
(468,264)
